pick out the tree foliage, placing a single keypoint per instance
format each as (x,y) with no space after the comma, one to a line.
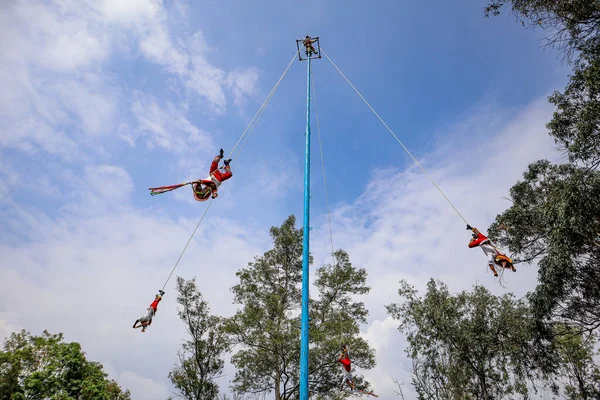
(44,367)
(577,369)
(335,320)
(576,122)
(471,345)
(555,220)
(269,292)
(200,358)
(574,25)
(555,216)
(268,324)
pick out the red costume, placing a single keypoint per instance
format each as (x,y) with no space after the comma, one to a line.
(146,319)
(218,175)
(477,241)
(494,256)
(154,304)
(345,360)
(308,44)
(213,180)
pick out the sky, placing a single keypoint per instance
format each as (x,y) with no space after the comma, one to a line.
(101,100)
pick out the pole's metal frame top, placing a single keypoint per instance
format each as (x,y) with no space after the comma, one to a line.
(302,55)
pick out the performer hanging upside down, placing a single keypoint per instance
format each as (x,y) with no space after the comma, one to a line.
(204,188)
(146,319)
(495,258)
(344,358)
(209,186)
(308,44)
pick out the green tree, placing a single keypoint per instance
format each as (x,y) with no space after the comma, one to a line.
(555,219)
(576,121)
(40,367)
(577,369)
(555,215)
(574,25)
(269,292)
(200,358)
(268,324)
(335,320)
(471,345)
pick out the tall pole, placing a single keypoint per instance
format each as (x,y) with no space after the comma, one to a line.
(305,252)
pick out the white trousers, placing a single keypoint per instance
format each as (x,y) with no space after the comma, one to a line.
(347,378)
(148,316)
(490,252)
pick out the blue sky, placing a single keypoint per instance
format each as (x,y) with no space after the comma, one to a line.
(103,99)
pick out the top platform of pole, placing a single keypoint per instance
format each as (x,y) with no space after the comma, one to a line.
(304,53)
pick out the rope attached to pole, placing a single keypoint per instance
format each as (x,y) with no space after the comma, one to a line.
(341,327)
(247,131)
(394,135)
(323,170)
(260,111)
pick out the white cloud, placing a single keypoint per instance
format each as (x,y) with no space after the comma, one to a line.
(6,327)
(131,13)
(273,177)
(93,104)
(51,86)
(60,93)
(101,260)
(243,83)
(389,350)
(108,181)
(64,37)
(91,271)
(8,178)
(91,266)
(203,78)
(143,388)
(166,126)
(158,47)
(402,228)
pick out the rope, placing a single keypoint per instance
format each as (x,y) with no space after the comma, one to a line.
(341,328)
(187,244)
(266,102)
(394,135)
(262,107)
(248,130)
(323,170)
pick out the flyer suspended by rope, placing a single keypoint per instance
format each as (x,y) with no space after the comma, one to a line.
(245,135)
(206,188)
(199,189)
(146,320)
(348,384)
(497,259)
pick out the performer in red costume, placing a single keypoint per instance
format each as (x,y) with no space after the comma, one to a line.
(344,358)
(146,320)
(213,181)
(495,258)
(308,44)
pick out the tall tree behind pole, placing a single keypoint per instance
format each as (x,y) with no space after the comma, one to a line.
(305,251)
